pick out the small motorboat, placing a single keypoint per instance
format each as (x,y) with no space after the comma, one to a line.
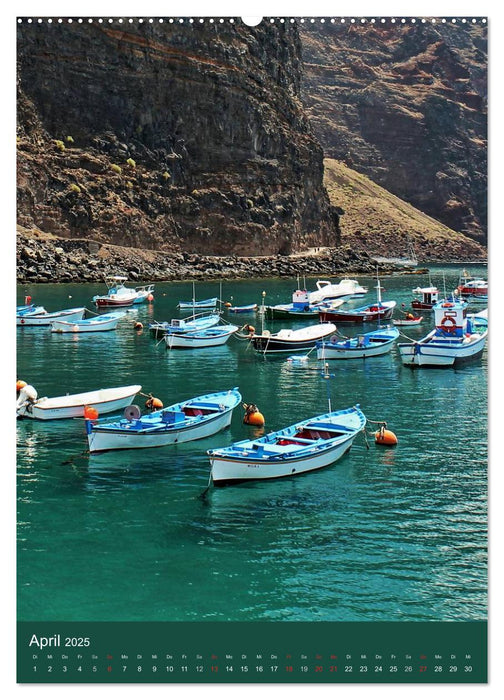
(105,322)
(300,307)
(118,295)
(472,289)
(372,313)
(46,319)
(408,320)
(326,290)
(364,345)
(185,421)
(197,322)
(205,338)
(454,340)
(288,340)
(429,297)
(73,405)
(308,445)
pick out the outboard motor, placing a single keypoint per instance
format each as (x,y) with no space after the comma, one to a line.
(27,396)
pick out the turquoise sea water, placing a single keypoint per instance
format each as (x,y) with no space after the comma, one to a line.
(384,534)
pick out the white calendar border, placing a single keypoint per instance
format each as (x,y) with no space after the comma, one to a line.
(258,8)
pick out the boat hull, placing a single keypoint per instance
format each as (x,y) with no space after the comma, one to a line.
(105,302)
(191,341)
(273,313)
(432,354)
(48,319)
(358,316)
(228,471)
(93,325)
(330,351)
(102,441)
(92,399)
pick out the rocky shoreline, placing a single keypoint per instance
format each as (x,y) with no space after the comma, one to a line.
(42,258)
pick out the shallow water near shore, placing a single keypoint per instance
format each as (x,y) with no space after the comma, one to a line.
(384,534)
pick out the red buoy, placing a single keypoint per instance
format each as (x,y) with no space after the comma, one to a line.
(90,413)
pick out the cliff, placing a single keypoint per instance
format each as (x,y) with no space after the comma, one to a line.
(169,137)
(379,223)
(406,106)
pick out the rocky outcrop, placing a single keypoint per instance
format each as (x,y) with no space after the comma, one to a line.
(169,137)
(405,105)
(44,258)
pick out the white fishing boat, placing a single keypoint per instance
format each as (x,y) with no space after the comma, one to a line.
(29,310)
(105,322)
(305,446)
(370,344)
(288,340)
(118,295)
(205,338)
(472,289)
(185,421)
(196,322)
(454,340)
(46,319)
(326,290)
(202,304)
(73,405)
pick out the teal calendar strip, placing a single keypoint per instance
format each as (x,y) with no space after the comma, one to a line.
(172,652)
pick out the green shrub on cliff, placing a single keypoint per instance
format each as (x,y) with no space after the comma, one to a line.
(166,175)
(131,163)
(75,188)
(59,145)
(116,168)
(69,139)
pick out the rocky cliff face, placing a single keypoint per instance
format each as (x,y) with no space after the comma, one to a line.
(405,105)
(169,137)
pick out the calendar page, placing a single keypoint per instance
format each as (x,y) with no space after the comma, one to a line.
(251,332)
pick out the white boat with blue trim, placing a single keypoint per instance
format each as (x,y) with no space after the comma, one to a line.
(118,295)
(196,322)
(371,344)
(46,319)
(202,304)
(111,400)
(205,338)
(104,322)
(185,421)
(303,447)
(455,339)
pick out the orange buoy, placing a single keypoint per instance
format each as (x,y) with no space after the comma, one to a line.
(153,403)
(138,325)
(90,413)
(150,297)
(20,384)
(385,437)
(252,415)
(228,304)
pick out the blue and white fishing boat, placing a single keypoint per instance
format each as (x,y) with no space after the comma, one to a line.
(454,340)
(202,304)
(308,445)
(105,322)
(188,420)
(300,307)
(29,310)
(46,319)
(205,338)
(196,322)
(371,344)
